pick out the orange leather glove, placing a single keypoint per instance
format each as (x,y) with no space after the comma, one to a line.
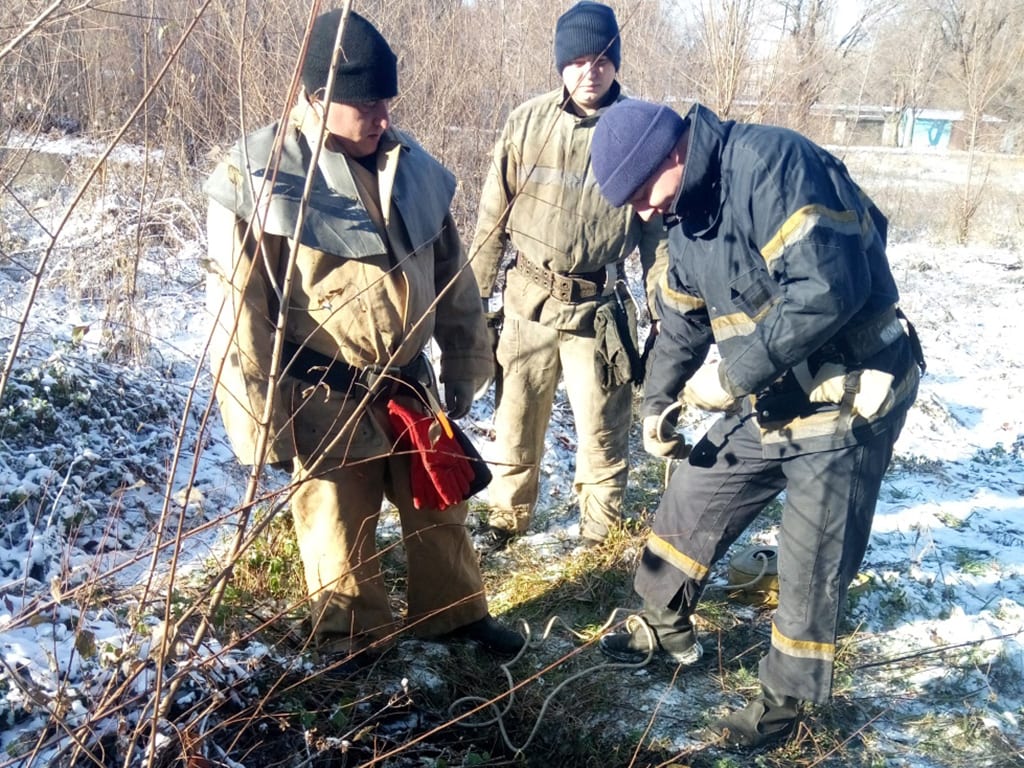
(440,473)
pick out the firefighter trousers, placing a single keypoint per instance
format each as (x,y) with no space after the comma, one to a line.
(336,509)
(533,357)
(829,504)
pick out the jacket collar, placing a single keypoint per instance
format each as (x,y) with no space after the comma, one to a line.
(699,200)
(335,220)
(565,102)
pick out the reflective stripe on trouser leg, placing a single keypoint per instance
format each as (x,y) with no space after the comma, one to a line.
(710,500)
(826,522)
(528,354)
(602,422)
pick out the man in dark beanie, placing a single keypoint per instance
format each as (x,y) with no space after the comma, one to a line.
(778,258)
(566,304)
(367,70)
(355,396)
(584,30)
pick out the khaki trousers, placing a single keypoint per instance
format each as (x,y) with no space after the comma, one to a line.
(533,358)
(336,510)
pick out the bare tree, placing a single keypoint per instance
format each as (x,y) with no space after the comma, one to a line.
(806,44)
(726,38)
(986,41)
(907,50)
(658,54)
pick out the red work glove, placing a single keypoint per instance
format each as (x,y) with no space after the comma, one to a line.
(440,473)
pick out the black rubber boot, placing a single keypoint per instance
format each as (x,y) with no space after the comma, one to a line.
(672,632)
(490,540)
(768,719)
(492,635)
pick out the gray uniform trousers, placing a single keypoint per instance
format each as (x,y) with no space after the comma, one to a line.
(826,521)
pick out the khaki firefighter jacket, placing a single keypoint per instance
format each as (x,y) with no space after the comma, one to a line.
(541,197)
(372,284)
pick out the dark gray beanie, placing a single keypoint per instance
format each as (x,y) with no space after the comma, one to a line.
(631,140)
(587,29)
(367,67)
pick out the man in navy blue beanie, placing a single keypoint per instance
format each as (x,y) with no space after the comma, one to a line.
(570,245)
(778,258)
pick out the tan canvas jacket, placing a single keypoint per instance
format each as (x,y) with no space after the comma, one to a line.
(540,197)
(358,294)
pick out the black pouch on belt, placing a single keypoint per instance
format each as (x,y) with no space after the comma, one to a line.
(617,358)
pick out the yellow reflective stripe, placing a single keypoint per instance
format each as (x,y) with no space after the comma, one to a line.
(802,649)
(799,428)
(728,326)
(803,221)
(680,302)
(666,551)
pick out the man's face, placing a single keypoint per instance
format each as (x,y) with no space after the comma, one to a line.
(658,194)
(588,80)
(358,126)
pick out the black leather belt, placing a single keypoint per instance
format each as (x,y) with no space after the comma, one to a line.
(572,288)
(312,367)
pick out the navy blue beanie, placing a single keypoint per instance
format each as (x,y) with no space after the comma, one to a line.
(631,140)
(587,29)
(367,67)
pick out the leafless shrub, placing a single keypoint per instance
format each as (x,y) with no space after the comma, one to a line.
(183,80)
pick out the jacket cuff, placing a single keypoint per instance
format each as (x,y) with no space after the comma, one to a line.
(727,384)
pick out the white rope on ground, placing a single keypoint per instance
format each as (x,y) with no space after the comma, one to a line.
(499,713)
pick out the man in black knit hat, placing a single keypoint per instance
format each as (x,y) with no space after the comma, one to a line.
(564,287)
(356,415)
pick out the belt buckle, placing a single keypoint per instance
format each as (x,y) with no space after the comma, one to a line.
(372,375)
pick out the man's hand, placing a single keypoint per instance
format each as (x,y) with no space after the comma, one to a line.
(661,438)
(494,321)
(458,397)
(875,395)
(704,390)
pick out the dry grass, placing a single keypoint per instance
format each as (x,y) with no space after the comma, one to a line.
(127,236)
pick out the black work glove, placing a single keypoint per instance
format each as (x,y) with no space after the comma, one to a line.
(458,397)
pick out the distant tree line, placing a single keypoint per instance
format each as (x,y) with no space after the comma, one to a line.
(203,72)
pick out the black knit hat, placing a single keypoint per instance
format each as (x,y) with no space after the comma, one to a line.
(587,29)
(367,67)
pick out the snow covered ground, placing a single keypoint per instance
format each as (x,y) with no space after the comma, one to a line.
(90,516)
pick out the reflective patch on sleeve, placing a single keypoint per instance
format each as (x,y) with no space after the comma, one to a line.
(729,326)
(808,218)
(677,300)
